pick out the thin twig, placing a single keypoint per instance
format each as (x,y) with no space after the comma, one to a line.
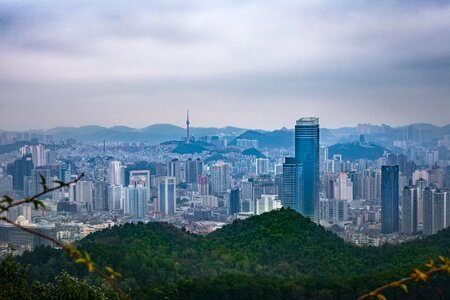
(398,283)
(45,191)
(74,254)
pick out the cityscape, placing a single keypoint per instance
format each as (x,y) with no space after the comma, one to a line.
(209,150)
(366,193)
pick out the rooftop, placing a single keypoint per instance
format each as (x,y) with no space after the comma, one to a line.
(308,121)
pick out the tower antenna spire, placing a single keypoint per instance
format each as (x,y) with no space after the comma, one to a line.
(187,127)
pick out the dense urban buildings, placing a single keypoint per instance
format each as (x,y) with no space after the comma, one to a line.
(201,183)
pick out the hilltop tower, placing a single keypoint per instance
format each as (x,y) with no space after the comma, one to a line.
(188,137)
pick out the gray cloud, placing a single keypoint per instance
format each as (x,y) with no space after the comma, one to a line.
(260,64)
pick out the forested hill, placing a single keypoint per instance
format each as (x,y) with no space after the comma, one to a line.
(275,255)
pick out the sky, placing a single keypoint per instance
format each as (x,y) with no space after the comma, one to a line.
(252,64)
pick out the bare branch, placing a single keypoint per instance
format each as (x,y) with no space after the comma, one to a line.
(45,191)
(77,256)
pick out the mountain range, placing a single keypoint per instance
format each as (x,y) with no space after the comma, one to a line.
(157,133)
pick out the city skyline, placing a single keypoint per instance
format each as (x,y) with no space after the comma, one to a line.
(244,64)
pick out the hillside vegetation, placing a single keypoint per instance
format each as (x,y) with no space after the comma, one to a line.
(275,255)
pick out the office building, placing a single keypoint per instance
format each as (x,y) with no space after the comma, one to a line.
(410,210)
(19,169)
(135,202)
(235,201)
(307,153)
(292,188)
(194,169)
(142,178)
(116,173)
(174,170)
(100,199)
(115,197)
(262,166)
(166,201)
(203,185)
(343,188)
(389,199)
(220,177)
(267,203)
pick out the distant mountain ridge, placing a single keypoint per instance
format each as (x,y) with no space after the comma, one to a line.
(157,133)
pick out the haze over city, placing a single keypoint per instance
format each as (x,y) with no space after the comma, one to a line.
(224,149)
(252,64)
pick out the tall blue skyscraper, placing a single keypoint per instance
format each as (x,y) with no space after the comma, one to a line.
(291,183)
(389,199)
(307,153)
(235,205)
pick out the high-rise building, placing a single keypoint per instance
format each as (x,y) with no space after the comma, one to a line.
(262,166)
(83,192)
(220,177)
(142,178)
(166,201)
(267,203)
(135,202)
(115,197)
(248,203)
(116,173)
(292,188)
(34,181)
(65,172)
(410,210)
(307,153)
(37,153)
(203,185)
(6,184)
(174,170)
(343,188)
(337,210)
(50,157)
(440,210)
(19,169)
(100,195)
(235,201)
(389,199)
(194,169)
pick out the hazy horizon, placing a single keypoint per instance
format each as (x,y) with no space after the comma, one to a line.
(249,64)
(212,126)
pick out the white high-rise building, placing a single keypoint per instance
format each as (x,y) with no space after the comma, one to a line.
(167,195)
(136,203)
(141,177)
(220,177)
(436,210)
(343,188)
(262,166)
(37,154)
(116,195)
(83,192)
(267,203)
(116,173)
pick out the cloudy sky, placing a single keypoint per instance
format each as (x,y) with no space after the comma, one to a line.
(255,64)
